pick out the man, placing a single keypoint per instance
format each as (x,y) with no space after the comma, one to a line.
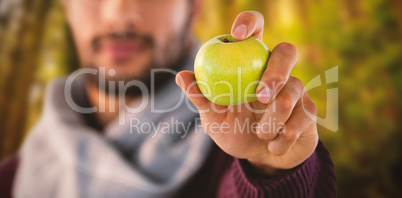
(103,134)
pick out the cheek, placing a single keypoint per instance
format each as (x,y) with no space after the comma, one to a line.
(179,15)
(169,21)
(82,18)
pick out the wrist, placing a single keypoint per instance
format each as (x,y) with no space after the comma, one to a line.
(262,168)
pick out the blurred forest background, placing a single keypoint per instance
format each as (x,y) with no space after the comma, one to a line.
(364,38)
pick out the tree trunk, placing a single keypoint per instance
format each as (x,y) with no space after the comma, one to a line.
(20,37)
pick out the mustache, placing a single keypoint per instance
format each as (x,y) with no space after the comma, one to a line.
(146,39)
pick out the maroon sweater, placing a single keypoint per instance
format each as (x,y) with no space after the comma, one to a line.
(225,176)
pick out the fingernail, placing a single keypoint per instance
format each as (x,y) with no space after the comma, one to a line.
(240,31)
(264,95)
(259,87)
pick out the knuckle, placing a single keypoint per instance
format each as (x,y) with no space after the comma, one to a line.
(289,136)
(310,105)
(287,48)
(278,78)
(313,108)
(310,123)
(302,125)
(297,82)
(285,103)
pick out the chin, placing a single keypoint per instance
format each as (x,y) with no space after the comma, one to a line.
(126,69)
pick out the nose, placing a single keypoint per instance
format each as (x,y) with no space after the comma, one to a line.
(121,15)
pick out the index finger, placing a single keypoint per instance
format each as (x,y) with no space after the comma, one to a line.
(276,75)
(246,24)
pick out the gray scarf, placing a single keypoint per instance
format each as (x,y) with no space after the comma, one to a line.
(154,154)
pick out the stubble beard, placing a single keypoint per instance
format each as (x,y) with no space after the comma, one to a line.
(172,56)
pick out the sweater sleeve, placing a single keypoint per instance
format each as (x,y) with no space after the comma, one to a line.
(315,177)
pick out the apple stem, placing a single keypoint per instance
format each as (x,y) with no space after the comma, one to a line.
(225,40)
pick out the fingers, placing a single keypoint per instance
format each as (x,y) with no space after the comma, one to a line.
(246,24)
(186,81)
(280,109)
(298,125)
(275,76)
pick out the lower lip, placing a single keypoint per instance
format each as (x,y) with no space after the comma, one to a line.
(122,50)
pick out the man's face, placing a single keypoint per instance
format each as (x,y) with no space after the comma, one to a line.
(130,36)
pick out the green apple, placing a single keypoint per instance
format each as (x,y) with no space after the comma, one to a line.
(228,71)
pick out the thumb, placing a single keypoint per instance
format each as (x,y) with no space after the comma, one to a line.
(246,24)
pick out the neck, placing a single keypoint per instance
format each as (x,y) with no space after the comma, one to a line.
(108,105)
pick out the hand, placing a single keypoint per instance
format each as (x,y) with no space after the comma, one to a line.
(272,133)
